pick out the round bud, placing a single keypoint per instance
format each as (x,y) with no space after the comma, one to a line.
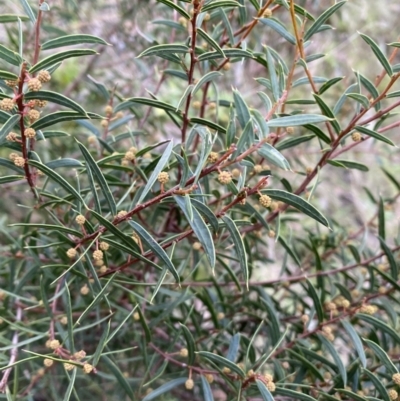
(80,219)
(257,168)
(87,368)
(212,157)
(196,246)
(189,384)
(30,132)
(19,161)
(108,109)
(271,234)
(85,290)
(129,156)
(7,104)
(393,394)
(103,269)
(104,246)
(68,366)
(356,136)
(64,320)
(235,173)
(48,362)
(209,377)
(136,316)
(92,140)
(265,200)
(33,115)
(34,84)
(305,319)
(122,214)
(184,352)
(182,21)
(396,378)
(225,177)
(309,170)
(220,315)
(227,66)
(196,104)
(98,255)
(271,386)
(44,76)
(267,13)
(54,344)
(71,253)
(11,82)
(163,177)
(290,130)
(40,103)
(12,137)
(207,17)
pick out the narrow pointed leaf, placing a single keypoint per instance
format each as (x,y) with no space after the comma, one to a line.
(377,382)
(321,20)
(293,395)
(211,76)
(279,28)
(155,247)
(58,117)
(4,18)
(71,385)
(297,202)
(273,76)
(8,126)
(379,54)
(58,57)
(119,376)
(265,394)
(394,271)
(382,356)
(242,110)
(57,98)
(214,44)
(57,178)
(299,119)
(221,362)
(177,8)
(159,167)
(11,178)
(70,40)
(273,156)
(207,392)
(200,229)
(374,134)
(8,75)
(289,143)
(164,49)
(191,345)
(98,175)
(145,101)
(9,56)
(239,247)
(165,388)
(219,3)
(316,301)
(355,338)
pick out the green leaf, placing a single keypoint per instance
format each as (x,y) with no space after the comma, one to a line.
(9,56)
(350,395)
(279,28)
(239,247)
(57,178)
(57,117)
(321,20)
(229,53)
(177,8)
(8,75)
(214,44)
(394,271)
(373,134)
(4,18)
(306,364)
(290,142)
(57,98)
(379,54)
(298,119)
(101,344)
(297,202)
(9,164)
(66,162)
(165,388)
(348,164)
(382,356)
(209,77)
(119,376)
(49,228)
(200,228)
(328,84)
(328,112)
(8,126)
(159,167)
(208,123)
(355,338)
(58,57)
(28,10)
(242,110)
(95,169)
(362,99)
(11,178)
(71,385)
(158,50)
(273,320)
(207,393)
(155,247)
(221,362)
(265,394)
(318,132)
(291,394)
(219,3)
(377,382)
(290,250)
(268,152)
(369,86)
(191,346)
(148,102)
(70,40)
(273,76)
(316,301)
(331,349)
(207,213)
